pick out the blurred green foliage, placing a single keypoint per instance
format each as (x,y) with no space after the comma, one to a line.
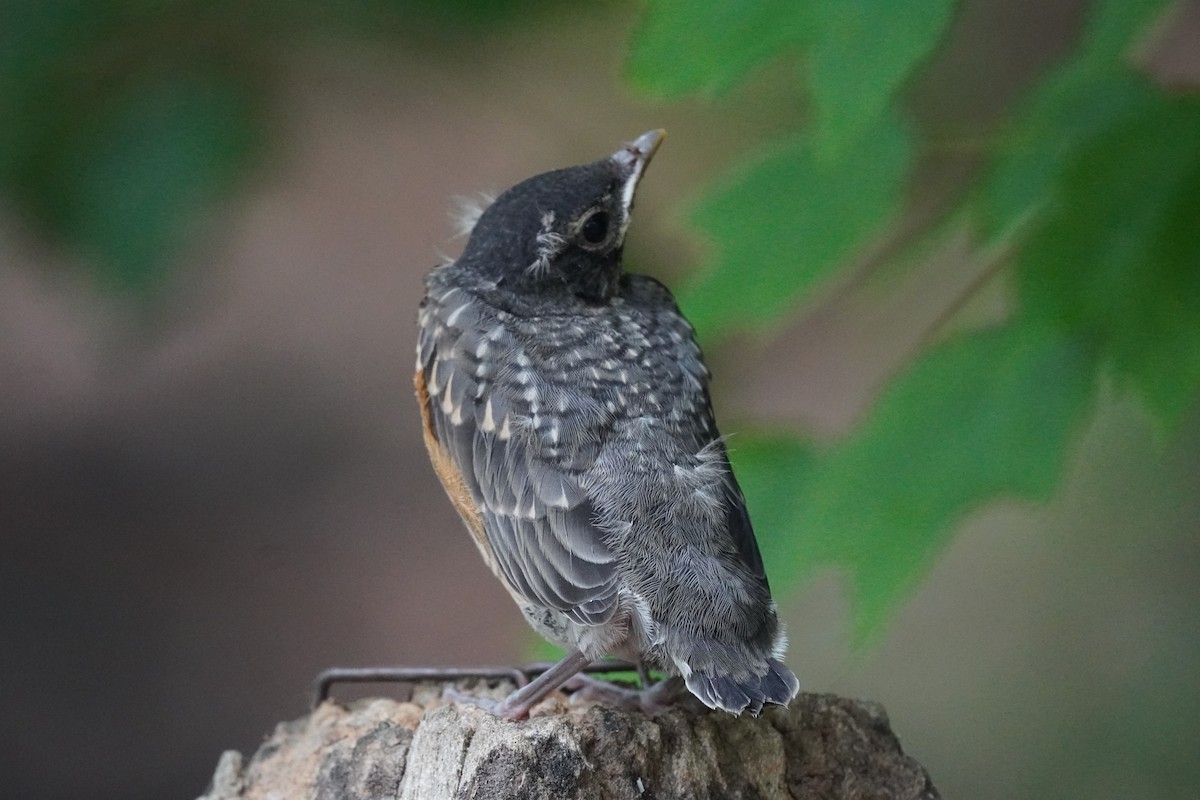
(126,122)
(842,202)
(978,416)
(1092,197)
(1115,257)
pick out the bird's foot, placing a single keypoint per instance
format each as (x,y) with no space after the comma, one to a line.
(511,707)
(650,700)
(518,704)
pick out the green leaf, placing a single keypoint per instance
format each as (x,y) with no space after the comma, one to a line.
(123,125)
(785,222)
(772,471)
(39,45)
(683,46)
(862,53)
(1079,101)
(1113,27)
(979,417)
(131,184)
(1117,257)
(1064,117)
(539,649)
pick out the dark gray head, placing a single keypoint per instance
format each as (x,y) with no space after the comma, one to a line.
(559,234)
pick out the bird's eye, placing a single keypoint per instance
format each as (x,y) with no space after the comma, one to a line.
(595,228)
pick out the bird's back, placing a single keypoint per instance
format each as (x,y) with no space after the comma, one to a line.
(610,406)
(567,412)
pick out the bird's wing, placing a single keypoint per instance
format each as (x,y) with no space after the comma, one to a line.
(513,478)
(691,375)
(740,528)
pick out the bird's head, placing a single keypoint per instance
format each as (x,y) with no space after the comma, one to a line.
(559,234)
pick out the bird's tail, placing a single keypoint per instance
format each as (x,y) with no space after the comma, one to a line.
(777,685)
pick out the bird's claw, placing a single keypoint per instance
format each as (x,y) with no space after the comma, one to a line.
(509,708)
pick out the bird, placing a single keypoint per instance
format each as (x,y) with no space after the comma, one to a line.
(566,410)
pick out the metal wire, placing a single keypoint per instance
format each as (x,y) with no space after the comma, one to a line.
(520,676)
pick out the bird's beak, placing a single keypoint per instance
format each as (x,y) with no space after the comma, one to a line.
(633,159)
(638,153)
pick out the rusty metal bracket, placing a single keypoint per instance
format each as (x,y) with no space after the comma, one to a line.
(326,680)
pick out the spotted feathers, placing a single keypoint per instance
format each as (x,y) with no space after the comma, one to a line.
(568,414)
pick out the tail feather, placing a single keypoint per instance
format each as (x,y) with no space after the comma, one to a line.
(776,685)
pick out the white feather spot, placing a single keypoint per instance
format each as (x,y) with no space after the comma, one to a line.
(448,398)
(452,319)
(530,511)
(432,384)
(561,501)
(489,423)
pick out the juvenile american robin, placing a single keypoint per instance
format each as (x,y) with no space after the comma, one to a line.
(567,413)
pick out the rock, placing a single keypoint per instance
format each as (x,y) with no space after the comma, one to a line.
(820,747)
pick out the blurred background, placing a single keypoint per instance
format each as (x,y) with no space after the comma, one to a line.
(212,482)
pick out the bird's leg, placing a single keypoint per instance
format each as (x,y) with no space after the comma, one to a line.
(643,674)
(651,699)
(517,704)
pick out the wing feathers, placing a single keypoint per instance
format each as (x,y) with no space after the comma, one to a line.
(537,518)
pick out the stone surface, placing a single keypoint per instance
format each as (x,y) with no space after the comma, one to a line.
(820,747)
